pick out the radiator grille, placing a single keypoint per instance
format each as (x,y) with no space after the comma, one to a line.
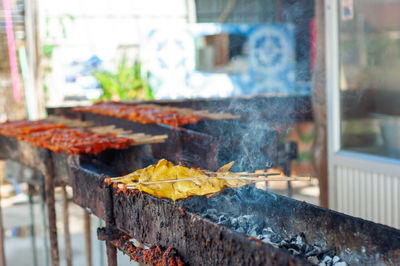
(367,195)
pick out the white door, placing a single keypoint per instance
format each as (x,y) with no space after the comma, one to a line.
(363,100)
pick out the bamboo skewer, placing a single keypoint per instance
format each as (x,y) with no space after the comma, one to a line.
(139,138)
(200,113)
(248,174)
(251,180)
(69,122)
(239,178)
(241,175)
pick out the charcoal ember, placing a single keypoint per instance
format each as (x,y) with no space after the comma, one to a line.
(240,230)
(294,251)
(269,236)
(289,245)
(234,223)
(254,230)
(268,231)
(254,226)
(243,222)
(223,220)
(211,217)
(329,252)
(256,222)
(336,261)
(211,214)
(302,243)
(314,250)
(296,243)
(327,261)
(313,259)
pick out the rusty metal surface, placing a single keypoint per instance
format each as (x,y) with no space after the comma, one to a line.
(61,172)
(271,108)
(207,144)
(36,158)
(40,159)
(88,242)
(111,251)
(355,240)
(198,241)
(52,219)
(2,253)
(8,148)
(110,223)
(108,234)
(154,255)
(31,190)
(67,235)
(186,146)
(211,143)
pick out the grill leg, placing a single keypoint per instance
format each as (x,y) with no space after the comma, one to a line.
(2,254)
(88,243)
(101,247)
(68,249)
(111,254)
(51,214)
(287,171)
(32,227)
(110,222)
(44,225)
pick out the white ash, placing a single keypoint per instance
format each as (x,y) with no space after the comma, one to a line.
(253,225)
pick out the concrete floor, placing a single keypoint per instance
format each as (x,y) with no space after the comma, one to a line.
(18,241)
(302,190)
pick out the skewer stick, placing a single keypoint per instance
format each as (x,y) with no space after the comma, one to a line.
(242,175)
(238,178)
(247,174)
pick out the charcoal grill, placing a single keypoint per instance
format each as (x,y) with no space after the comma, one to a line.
(52,170)
(200,240)
(197,238)
(193,227)
(249,140)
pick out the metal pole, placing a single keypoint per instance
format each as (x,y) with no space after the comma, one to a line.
(111,254)
(319,89)
(2,254)
(32,227)
(51,215)
(101,247)
(287,171)
(88,244)
(67,236)
(110,222)
(44,223)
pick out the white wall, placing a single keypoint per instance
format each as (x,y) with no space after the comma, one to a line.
(103,25)
(105,28)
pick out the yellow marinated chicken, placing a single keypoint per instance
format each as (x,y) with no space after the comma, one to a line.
(200,184)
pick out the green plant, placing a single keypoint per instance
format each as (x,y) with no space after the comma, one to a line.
(47,50)
(126,83)
(49,45)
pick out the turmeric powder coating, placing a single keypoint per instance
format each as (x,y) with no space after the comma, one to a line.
(200,184)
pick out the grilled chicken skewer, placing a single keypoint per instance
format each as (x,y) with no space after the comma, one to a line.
(238,178)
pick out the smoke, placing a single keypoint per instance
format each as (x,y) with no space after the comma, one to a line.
(252,141)
(254,138)
(283,223)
